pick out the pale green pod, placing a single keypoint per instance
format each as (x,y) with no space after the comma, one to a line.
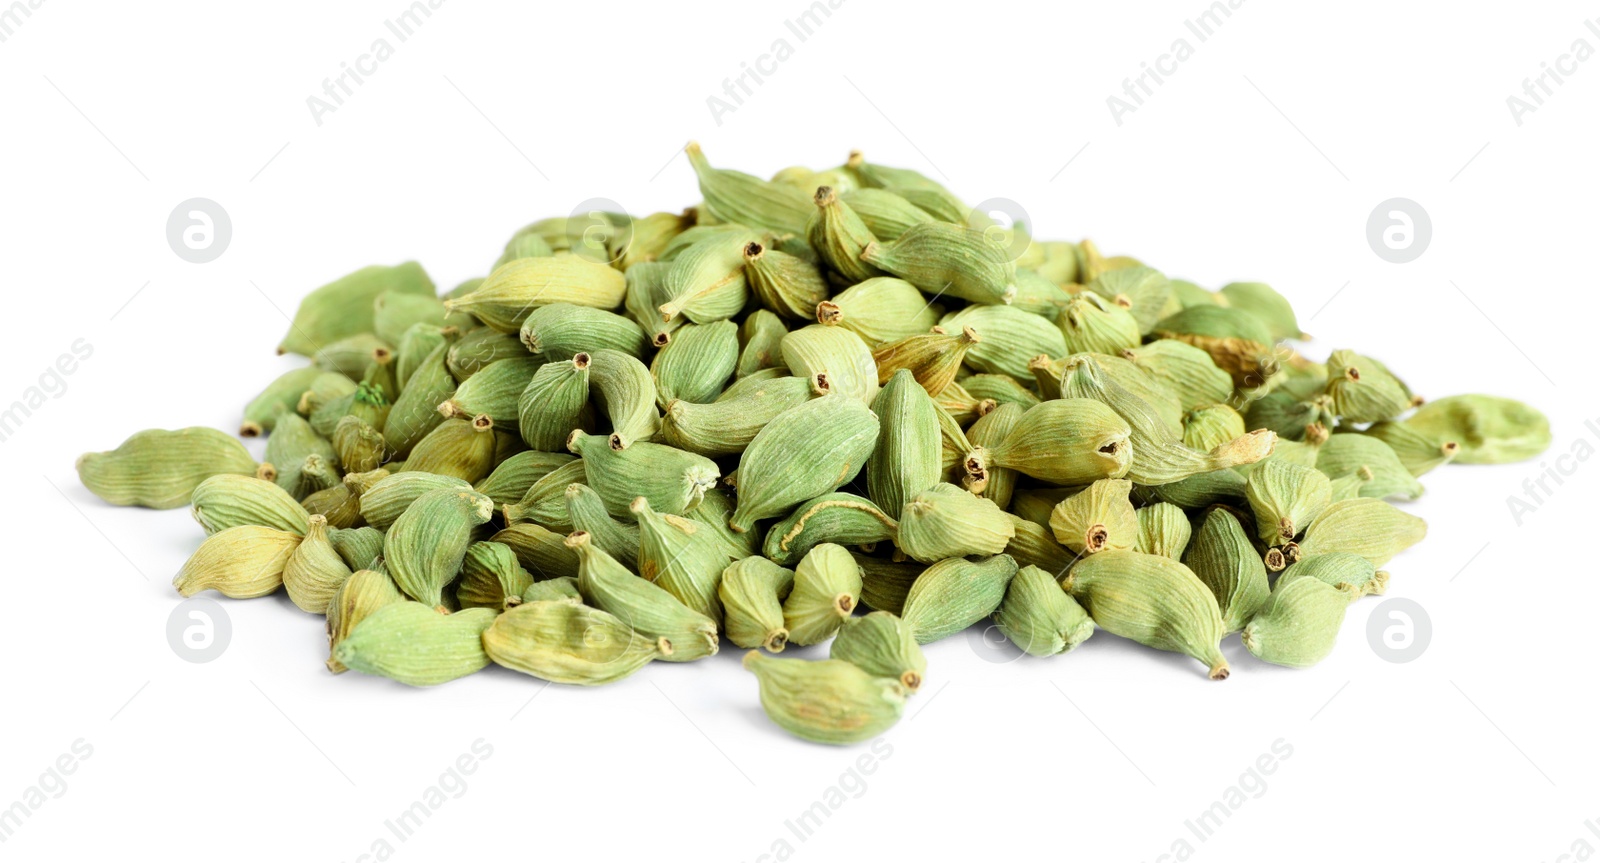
(939,257)
(230,500)
(947,521)
(416,645)
(681,557)
(1155,601)
(834,359)
(1418,449)
(650,236)
(643,295)
(415,412)
(567,642)
(1286,499)
(1202,489)
(1347,487)
(728,425)
(906,457)
(712,515)
(280,396)
(1032,545)
(352,355)
(672,480)
(933,358)
(481,348)
(1266,305)
(1223,558)
(314,570)
(885,584)
(344,307)
(1062,441)
(827,587)
(1298,625)
(886,215)
(542,552)
(991,430)
(341,503)
(788,285)
(563,588)
(953,594)
(740,198)
(1352,574)
(357,446)
(493,391)
(1092,324)
(394,312)
(882,645)
(545,501)
(389,497)
(363,593)
(880,310)
(1209,427)
(1238,343)
(491,577)
(516,288)
(808,450)
(462,448)
(826,701)
(1363,391)
(161,469)
(1011,339)
(1035,504)
(1001,389)
(587,513)
(683,634)
(837,517)
(369,403)
(1099,518)
(241,562)
(954,448)
(554,402)
(1347,454)
(424,547)
(1164,529)
(512,478)
(839,237)
(761,344)
(697,364)
(525,245)
(287,448)
(627,396)
(1366,526)
(1489,429)
(561,331)
(325,388)
(707,282)
(1187,371)
(1161,399)
(359,547)
(752,591)
(1039,617)
(1144,292)
(417,343)
(310,476)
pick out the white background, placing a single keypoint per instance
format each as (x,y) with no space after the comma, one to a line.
(1261,159)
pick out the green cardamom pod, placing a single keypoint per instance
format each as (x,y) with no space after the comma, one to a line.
(882,645)
(1000,389)
(1155,601)
(1298,625)
(563,588)
(426,544)
(516,288)
(1144,292)
(1286,498)
(1039,617)
(491,576)
(948,521)
(345,307)
(351,355)
(1266,305)
(416,345)
(541,551)
(840,237)
(1238,343)
(359,547)
(280,396)
(1032,545)
(566,642)
(752,591)
(512,478)
(389,497)
(460,448)
(1090,323)
(545,502)
(906,457)
(1363,391)
(480,348)
(1207,428)
(645,607)
(363,593)
(1366,526)
(933,358)
(1418,449)
(838,517)
(672,480)
(697,364)
(555,402)
(761,345)
(561,331)
(161,469)
(788,285)
(416,645)
(834,359)
(880,310)
(357,446)
(1188,372)
(953,594)
(681,557)
(1071,441)
(1011,339)
(587,512)
(1489,429)
(808,450)
(230,500)
(737,197)
(1351,573)
(394,312)
(939,257)
(885,583)
(707,282)
(1164,529)
(827,586)
(314,570)
(727,425)
(414,414)
(241,562)
(494,391)
(886,215)
(1347,454)
(826,701)
(1222,556)
(1099,518)
(627,396)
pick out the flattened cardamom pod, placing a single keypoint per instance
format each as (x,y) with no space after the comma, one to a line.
(1155,601)
(424,548)
(416,645)
(1420,451)
(1223,558)
(1039,617)
(1489,429)
(948,521)
(1298,625)
(161,469)
(1346,454)
(827,701)
(230,500)
(1099,518)
(827,586)
(953,594)
(1365,526)
(882,645)
(240,562)
(567,642)
(314,570)
(647,608)
(752,591)
(808,450)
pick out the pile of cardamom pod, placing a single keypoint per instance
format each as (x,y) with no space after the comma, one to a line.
(802,398)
